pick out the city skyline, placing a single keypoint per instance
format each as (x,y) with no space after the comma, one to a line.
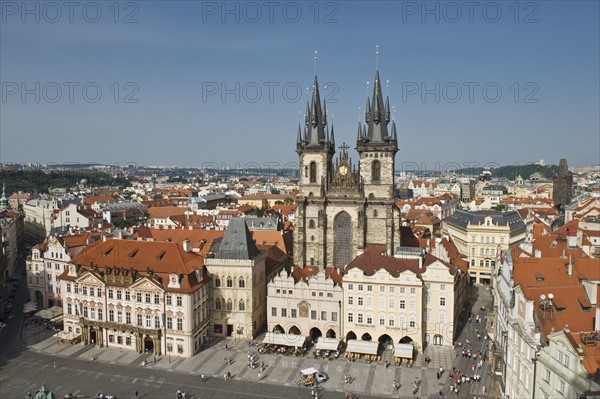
(189,84)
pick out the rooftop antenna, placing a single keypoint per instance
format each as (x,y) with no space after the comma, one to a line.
(315,62)
(377,57)
(387,88)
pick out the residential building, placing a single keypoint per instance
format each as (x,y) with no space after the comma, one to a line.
(238,292)
(307,302)
(480,236)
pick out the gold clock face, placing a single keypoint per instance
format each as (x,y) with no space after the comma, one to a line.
(343,170)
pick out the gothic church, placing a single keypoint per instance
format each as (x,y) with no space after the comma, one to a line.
(343,207)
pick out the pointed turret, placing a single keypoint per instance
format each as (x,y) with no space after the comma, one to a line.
(299,138)
(394,134)
(387,110)
(315,119)
(368,111)
(332,138)
(359,132)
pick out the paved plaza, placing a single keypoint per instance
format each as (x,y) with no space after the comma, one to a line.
(31,355)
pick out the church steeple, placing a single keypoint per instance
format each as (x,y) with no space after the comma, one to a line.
(315,119)
(377,115)
(3,199)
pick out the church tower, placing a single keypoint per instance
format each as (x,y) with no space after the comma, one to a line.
(341,207)
(377,146)
(562,185)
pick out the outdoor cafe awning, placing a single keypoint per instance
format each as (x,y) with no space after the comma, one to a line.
(309,371)
(50,313)
(364,347)
(403,350)
(327,344)
(284,339)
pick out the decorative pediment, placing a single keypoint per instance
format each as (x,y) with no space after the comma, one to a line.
(145,284)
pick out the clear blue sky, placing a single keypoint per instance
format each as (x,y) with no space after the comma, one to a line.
(176,57)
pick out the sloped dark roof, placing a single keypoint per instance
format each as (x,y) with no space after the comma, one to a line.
(237,242)
(463,218)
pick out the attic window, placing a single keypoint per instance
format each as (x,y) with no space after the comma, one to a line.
(107,251)
(160,256)
(133,253)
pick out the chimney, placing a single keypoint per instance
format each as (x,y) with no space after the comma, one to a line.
(104,238)
(186,245)
(570,267)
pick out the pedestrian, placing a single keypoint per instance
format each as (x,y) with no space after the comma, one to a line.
(154,358)
(225,377)
(226,347)
(259,375)
(202,377)
(54,364)
(135,395)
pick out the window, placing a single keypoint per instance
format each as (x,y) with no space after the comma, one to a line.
(68,287)
(369,319)
(119,316)
(369,288)
(128,341)
(128,317)
(350,300)
(99,293)
(402,290)
(156,299)
(442,301)
(412,323)
(360,318)
(413,290)
(369,302)
(412,304)
(84,290)
(391,321)
(350,318)
(428,300)
(229,304)
(392,303)
(111,315)
(119,294)
(138,297)
(360,301)
(381,320)
(561,386)
(217,304)
(127,296)
(139,319)
(547,375)
(110,293)
(294,313)
(179,300)
(169,299)
(229,282)
(99,314)
(170,323)
(180,324)
(313,315)
(283,312)
(93,314)
(360,287)
(148,321)
(147,297)
(242,305)
(179,348)
(274,312)
(85,312)
(402,304)
(376,170)
(442,318)
(217,282)
(156,322)
(382,288)
(350,286)
(313,172)
(392,290)
(334,316)
(442,287)
(241,283)
(69,309)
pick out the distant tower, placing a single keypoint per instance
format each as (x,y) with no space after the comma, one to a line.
(3,200)
(562,188)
